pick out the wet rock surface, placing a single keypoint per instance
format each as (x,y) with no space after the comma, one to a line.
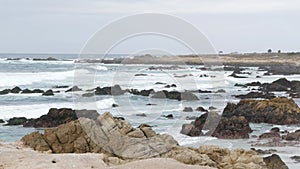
(274,111)
(236,127)
(274,162)
(56,117)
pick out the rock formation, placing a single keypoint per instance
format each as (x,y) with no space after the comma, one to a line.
(236,127)
(275,111)
(56,117)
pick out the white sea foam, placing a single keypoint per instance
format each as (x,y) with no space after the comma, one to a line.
(17,79)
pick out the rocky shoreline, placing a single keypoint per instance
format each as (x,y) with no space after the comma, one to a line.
(121,143)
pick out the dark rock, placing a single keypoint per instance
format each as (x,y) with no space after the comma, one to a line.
(114,90)
(236,127)
(16,90)
(48,93)
(212,108)
(275,111)
(150,104)
(169,86)
(236,76)
(142,92)
(5,91)
(175,95)
(201,109)
(37,91)
(296,158)
(16,121)
(217,126)
(74,89)
(204,91)
(190,117)
(2,121)
(253,84)
(254,95)
(114,105)
(56,117)
(263,152)
(140,74)
(169,116)
(275,130)
(160,83)
(26,91)
(141,115)
(240,85)
(274,162)
(59,87)
(187,109)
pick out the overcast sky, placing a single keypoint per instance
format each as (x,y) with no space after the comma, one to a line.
(64,26)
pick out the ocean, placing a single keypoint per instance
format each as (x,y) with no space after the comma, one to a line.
(25,71)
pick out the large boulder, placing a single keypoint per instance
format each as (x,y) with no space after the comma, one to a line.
(239,158)
(105,134)
(236,127)
(2,121)
(16,90)
(294,136)
(56,117)
(275,162)
(275,111)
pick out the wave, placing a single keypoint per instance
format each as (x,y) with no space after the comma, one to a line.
(17,79)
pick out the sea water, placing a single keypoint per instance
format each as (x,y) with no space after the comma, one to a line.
(27,73)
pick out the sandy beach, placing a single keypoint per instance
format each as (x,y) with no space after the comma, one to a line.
(17,156)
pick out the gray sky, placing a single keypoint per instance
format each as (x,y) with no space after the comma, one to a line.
(63,26)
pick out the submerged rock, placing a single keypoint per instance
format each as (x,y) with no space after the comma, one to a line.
(296,158)
(255,95)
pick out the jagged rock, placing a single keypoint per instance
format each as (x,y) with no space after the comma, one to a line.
(5,91)
(36,141)
(239,158)
(56,117)
(48,93)
(236,127)
(187,109)
(189,156)
(16,90)
(16,121)
(274,162)
(175,95)
(275,111)
(114,90)
(74,89)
